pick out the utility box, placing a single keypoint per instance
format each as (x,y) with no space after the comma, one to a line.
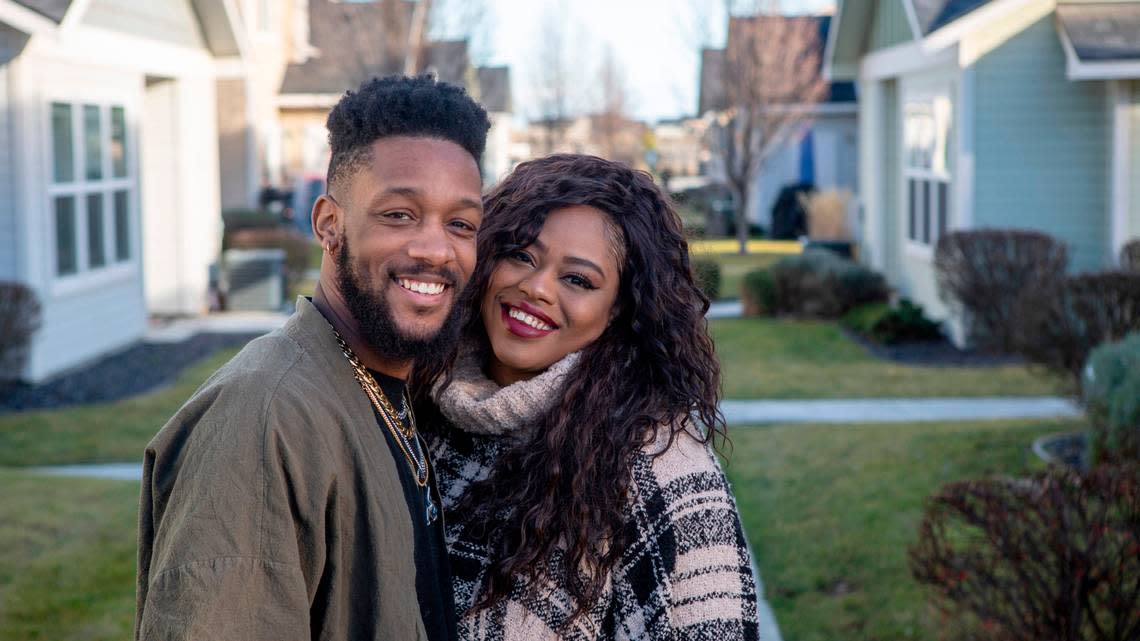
(255,279)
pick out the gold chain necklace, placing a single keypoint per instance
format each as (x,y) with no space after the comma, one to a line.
(407,437)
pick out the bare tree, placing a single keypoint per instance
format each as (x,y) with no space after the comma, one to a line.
(612,120)
(769,78)
(550,77)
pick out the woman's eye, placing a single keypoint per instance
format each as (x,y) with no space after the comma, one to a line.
(522,257)
(579,281)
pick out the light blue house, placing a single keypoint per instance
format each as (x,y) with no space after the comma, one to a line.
(992,113)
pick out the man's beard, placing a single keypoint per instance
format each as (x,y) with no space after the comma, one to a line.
(373,316)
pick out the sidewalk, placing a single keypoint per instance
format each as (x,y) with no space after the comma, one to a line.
(896,410)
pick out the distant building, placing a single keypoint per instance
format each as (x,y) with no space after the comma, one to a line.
(823,152)
(679,145)
(992,113)
(605,135)
(493,90)
(109,172)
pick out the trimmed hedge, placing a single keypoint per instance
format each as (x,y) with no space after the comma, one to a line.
(887,325)
(758,293)
(1130,255)
(1112,396)
(820,284)
(706,273)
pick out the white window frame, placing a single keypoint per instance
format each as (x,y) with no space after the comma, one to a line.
(113,270)
(937,172)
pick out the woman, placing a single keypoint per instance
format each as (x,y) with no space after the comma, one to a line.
(581,500)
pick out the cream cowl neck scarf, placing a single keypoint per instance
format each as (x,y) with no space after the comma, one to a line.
(477,404)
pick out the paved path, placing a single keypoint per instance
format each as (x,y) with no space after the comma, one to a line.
(182,329)
(896,410)
(725,309)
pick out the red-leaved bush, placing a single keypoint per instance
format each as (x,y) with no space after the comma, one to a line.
(983,273)
(1052,557)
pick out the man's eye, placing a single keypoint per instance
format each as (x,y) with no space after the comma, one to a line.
(397,215)
(464,225)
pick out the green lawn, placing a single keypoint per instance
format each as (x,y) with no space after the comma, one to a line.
(830,511)
(67,558)
(782,358)
(98,433)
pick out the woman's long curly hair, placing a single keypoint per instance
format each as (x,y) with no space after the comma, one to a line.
(563,489)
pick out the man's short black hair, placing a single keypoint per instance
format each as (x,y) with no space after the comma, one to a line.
(402,106)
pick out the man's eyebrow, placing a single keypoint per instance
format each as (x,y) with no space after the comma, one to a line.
(415,194)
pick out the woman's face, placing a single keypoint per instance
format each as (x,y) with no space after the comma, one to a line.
(551,298)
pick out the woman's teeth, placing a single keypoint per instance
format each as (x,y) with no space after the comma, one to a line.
(419,287)
(527,319)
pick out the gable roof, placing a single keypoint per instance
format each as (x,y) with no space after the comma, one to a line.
(52,9)
(1104,31)
(494,88)
(712,92)
(932,15)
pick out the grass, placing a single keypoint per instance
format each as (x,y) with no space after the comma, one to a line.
(830,511)
(67,558)
(101,432)
(783,358)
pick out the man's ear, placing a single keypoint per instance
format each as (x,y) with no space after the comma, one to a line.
(328,218)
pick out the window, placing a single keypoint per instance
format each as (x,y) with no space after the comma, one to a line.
(91,191)
(926,168)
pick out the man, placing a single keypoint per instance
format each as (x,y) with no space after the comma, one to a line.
(290,497)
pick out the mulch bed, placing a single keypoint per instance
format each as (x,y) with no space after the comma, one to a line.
(941,353)
(140,368)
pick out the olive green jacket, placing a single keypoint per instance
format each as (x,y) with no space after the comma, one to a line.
(271,508)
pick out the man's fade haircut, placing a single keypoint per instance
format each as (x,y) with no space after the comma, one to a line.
(401,106)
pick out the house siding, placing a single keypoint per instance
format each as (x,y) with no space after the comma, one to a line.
(892,156)
(171,21)
(890,26)
(1134,164)
(1042,146)
(233,143)
(9,269)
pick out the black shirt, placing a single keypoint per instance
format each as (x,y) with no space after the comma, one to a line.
(433,575)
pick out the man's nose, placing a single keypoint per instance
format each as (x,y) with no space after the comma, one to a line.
(431,245)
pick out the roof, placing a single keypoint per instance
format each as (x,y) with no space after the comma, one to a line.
(53,9)
(935,14)
(1103,31)
(349,39)
(494,88)
(712,93)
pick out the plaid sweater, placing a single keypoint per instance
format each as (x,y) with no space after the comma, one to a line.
(687,575)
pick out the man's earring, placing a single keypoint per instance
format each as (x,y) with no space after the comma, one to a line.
(328,247)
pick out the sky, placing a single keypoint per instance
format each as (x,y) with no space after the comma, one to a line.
(655,43)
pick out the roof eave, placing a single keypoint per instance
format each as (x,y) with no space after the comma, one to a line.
(24,19)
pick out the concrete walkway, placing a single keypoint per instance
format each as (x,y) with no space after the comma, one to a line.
(725,309)
(181,329)
(896,410)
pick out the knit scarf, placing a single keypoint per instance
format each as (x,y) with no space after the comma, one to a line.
(477,404)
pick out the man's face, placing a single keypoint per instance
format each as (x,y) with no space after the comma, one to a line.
(408,243)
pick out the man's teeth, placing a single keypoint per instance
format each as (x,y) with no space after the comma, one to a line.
(526,318)
(422,288)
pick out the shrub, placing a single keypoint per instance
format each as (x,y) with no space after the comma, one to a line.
(1130,255)
(19,319)
(982,274)
(1063,323)
(1055,556)
(1112,396)
(819,283)
(887,325)
(706,272)
(236,220)
(758,293)
(296,245)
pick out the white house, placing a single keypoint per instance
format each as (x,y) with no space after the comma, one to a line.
(109,172)
(823,153)
(992,113)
